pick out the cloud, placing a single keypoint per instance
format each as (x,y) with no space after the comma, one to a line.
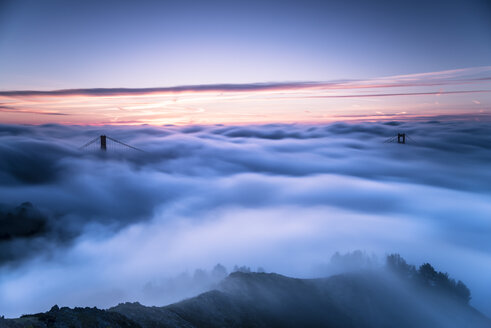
(281,196)
(254,102)
(11,109)
(470,75)
(437,93)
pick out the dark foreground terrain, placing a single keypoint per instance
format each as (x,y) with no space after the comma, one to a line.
(364,299)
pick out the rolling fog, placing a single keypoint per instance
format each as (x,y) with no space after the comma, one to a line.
(114,227)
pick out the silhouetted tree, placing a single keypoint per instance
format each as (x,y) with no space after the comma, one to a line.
(398,265)
(442,282)
(219,272)
(429,277)
(462,291)
(243,268)
(428,274)
(352,261)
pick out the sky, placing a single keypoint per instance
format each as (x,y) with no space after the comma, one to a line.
(66,45)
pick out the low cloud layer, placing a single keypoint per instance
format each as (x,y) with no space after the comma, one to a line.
(441,78)
(105,226)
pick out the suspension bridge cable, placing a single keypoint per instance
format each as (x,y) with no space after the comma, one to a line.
(89,143)
(391,139)
(122,143)
(412,140)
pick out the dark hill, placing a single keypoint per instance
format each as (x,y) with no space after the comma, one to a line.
(364,299)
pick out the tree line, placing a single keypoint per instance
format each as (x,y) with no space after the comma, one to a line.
(428,277)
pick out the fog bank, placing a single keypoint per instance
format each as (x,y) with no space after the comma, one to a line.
(99,229)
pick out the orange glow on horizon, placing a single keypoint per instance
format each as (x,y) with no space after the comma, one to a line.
(426,94)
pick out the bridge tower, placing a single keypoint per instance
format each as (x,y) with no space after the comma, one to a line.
(103,143)
(401,138)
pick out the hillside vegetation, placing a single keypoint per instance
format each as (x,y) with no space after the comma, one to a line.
(401,296)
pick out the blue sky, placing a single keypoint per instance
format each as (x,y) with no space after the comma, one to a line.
(48,45)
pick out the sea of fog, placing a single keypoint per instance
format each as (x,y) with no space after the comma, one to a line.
(126,225)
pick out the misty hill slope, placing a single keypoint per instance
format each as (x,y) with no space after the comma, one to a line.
(270,300)
(71,318)
(348,300)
